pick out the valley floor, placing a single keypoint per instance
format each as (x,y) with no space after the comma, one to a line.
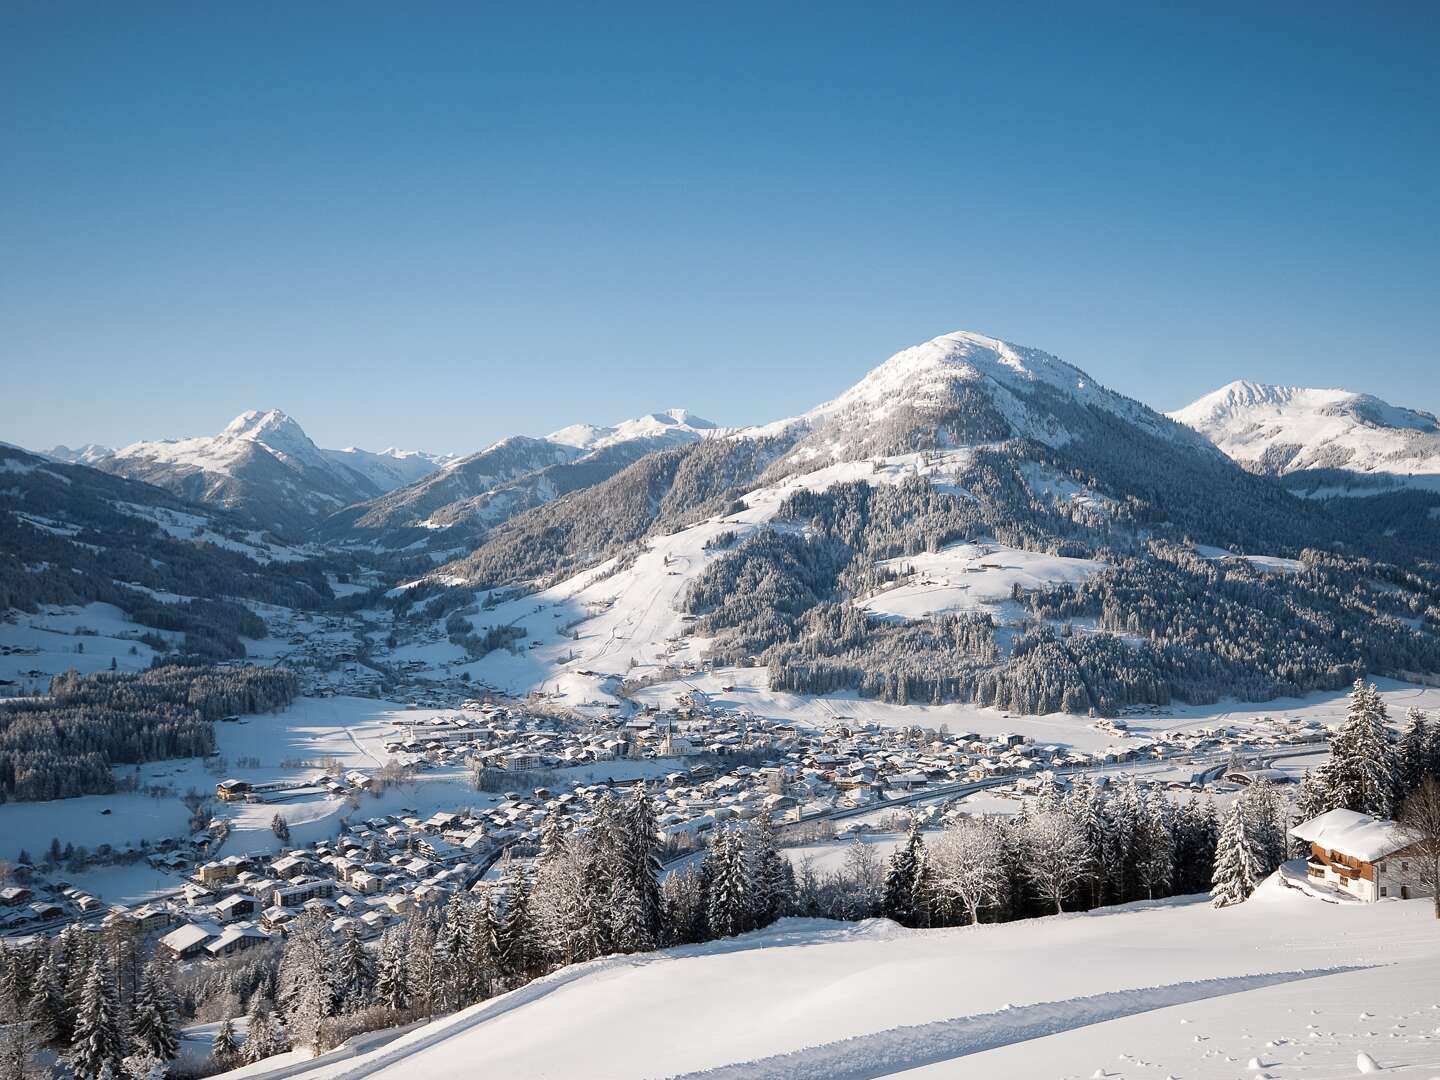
(1285,984)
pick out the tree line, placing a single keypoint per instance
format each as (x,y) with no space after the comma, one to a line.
(67,743)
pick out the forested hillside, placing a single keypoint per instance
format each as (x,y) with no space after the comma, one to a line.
(1021,450)
(70,534)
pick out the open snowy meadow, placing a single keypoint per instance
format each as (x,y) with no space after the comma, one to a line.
(1285,985)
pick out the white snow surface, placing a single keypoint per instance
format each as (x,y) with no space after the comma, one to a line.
(967,577)
(1280,978)
(1326,429)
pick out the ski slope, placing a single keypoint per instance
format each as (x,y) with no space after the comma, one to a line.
(809,998)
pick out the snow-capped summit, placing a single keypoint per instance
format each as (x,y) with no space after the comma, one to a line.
(969,387)
(1289,429)
(271,427)
(672,426)
(86,454)
(265,464)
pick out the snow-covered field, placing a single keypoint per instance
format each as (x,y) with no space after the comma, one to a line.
(969,577)
(58,638)
(351,730)
(1284,984)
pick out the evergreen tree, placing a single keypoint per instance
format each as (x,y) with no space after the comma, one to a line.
(46,1009)
(729,894)
(1238,868)
(99,1042)
(483,949)
(903,876)
(392,983)
(306,992)
(223,1048)
(453,944)
(263,1037)
(772,874)
(1155,859)
(423,967)
(1362,772)
(1417,748)
(1265,814)
(354,973)
(153,1020)
(518,945)
(1196,833)
(642,857)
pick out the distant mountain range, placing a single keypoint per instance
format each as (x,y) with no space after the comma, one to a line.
(458,504)
(265,467)
(1166,559)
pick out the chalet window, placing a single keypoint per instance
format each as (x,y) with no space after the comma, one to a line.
(1404,866)
(1384,891)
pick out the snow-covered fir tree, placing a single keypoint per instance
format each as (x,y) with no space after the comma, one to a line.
(1363,773)
(1419,752)
(424,967)
(307,994)
(729,892)
(100,1041)
(907,879)
(354,983)
(264,1037)
(153,1018)
(224,1045)
(1238,866)
(392,980)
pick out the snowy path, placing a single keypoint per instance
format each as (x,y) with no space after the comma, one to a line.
(885,1053)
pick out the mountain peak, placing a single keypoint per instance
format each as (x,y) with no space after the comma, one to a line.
(672,425)
(1022,386)
(1294,428)
(261,426)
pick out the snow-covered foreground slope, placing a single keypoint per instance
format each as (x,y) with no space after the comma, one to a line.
(1286,429)
(825,1000)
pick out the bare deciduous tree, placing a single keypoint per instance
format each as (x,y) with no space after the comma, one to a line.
(1420,824)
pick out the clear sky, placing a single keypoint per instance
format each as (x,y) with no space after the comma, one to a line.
(433,225)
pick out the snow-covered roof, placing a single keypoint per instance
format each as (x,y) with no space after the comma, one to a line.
(189,936)
(1351,833)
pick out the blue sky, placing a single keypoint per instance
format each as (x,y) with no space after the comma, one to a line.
(433,225)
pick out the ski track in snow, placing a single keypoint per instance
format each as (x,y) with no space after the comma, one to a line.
(885,1053)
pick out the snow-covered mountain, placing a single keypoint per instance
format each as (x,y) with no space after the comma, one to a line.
(674,426)
(961,389)
(937,532)
(1285,430)
(460,502)
(87,454)
(264,465)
